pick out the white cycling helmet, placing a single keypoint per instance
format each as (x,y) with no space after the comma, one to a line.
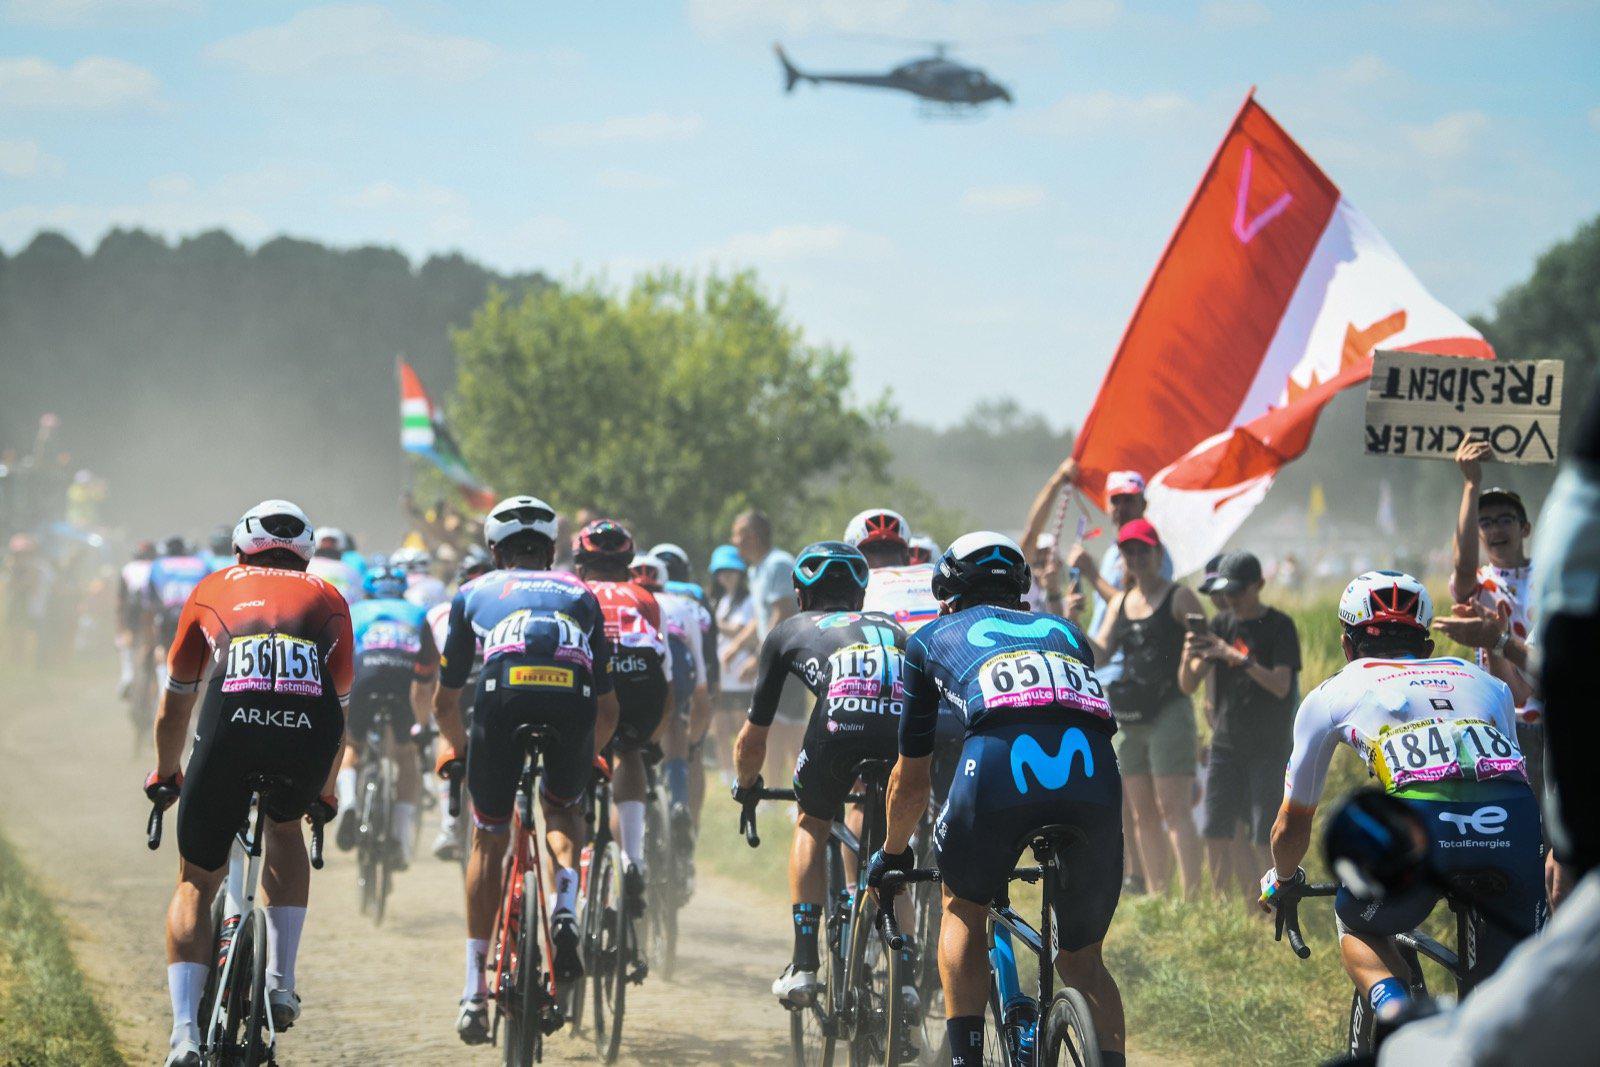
(340,539)
(978,559)
(273,524)
(519,514)
(1381,597)
(650,570)
(877,526)
(676,559)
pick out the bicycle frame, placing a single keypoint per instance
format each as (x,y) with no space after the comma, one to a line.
(527,854)
(248,840)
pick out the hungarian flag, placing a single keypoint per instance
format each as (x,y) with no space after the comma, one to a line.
(423,433)
(1270,298)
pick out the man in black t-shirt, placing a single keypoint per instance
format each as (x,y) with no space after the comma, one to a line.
(1251,657)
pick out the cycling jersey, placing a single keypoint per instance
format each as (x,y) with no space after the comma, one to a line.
(340,575)
(426,590)
(278,648)
(905,594)
(393,648)
(685,622)
(545,628)
(708,650)
(641,661)
(168,584)
(991,666)
(135,578)
(852,662)
(1415,722)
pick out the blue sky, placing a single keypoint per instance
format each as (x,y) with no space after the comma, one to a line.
(957,260)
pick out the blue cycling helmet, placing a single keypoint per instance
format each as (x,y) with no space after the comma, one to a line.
(726,558)
(981,560)
(830,563)
(385,582)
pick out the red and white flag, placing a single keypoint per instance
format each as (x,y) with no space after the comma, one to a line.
(1269,299)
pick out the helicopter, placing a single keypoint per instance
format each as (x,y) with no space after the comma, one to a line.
(936,78)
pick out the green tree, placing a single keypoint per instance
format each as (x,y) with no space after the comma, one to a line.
(673,405)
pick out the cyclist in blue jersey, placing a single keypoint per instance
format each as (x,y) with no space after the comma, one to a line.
(177,569)
(546,660)
(1037,753)
(396,662)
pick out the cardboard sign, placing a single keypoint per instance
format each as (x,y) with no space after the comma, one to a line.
(1423,407)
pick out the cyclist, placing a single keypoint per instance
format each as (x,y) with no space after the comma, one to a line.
(219,547)
(642,668)
(173,576)
(421,586)
(131,629)
(680,579)
(924,549)
(546,660)
(1037,752)
(897,587)
(685,623)
(452,837)
(396,663)
(1439,734)
(271,645)
(850,660)
(328,563)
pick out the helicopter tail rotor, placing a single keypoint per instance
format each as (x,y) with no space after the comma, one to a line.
(791,73)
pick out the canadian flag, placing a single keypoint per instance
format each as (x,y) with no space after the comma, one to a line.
(1269,299)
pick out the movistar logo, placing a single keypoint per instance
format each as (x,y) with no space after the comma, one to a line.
(982,634)
(1051,772)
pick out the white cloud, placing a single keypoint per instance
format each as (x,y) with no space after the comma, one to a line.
(76,14)
(954,19)
(1236,13)
(1003,198)
(652,128)
(385,195)
(1365,69)
(171,185)
(800,242)
(25,159)
(1449,137)
(630,181)
(353,39)
(96,83)
(1094,112)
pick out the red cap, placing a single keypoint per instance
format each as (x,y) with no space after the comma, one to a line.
(1139,530)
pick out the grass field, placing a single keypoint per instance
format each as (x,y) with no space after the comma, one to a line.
(47,1016)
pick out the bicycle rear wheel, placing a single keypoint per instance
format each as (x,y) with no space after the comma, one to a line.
(609,977)
(997,1050)
(1069,1034)
(871,996)
(254,933)
(529,994)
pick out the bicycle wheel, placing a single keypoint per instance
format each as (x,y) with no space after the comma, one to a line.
(529,995)
(1069,1033)
(997,1050)
(507,974)
(930,989)
(367,842)
(870,994)
(901,1032)
(254,932)
(612,954)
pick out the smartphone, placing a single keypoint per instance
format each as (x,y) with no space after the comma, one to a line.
(1195,624)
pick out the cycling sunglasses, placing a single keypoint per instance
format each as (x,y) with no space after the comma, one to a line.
(286,527)
(811,569)
(527,513)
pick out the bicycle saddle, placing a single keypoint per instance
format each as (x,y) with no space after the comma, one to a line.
(873,771)
(1478,882)
(532,737)
(266,783)
(1050,840)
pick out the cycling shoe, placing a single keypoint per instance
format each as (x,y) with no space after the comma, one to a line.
(472,1025)
(568,962)
(184,1054)
(796,989)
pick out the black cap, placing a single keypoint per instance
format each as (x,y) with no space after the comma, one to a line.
(1211,568)
(1497,495)
(1234,571)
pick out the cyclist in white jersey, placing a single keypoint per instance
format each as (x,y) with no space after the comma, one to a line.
(896,587)
(451,841)
(327,563)
(1439,734)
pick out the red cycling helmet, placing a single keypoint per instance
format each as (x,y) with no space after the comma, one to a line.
(602,539)
(877,526)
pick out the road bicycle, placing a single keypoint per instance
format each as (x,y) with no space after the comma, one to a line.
(669,858)
(859,1005)
(1050,1026)
(1464,890)
(376,776)
(238,1028)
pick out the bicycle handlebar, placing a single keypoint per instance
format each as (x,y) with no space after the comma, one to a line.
(1286,912)
(315,815)
(888,888)
(452,772)
(747,811)
(158,808)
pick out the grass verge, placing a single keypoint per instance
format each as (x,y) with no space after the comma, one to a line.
(47,1016)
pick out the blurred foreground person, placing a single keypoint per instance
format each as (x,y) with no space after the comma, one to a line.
(271,645)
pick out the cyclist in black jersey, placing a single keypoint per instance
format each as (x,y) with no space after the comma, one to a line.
(851,661)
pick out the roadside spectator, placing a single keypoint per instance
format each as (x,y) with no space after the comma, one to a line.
(772,599)
(1496,520)
(1249,658)
(735,612)
(1155,739)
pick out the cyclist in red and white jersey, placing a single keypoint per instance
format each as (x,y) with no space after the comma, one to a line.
(896,587)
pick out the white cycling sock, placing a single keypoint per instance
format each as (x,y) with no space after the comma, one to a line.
(405,825)
(344,787)
(284,923)
(630,816)
(566,894)
(477,951)
(185,983)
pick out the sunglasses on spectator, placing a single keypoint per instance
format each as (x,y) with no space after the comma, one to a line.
(1508,518)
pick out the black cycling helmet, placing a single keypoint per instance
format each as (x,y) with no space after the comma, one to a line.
(474,561)
(176,546)
(981,560)
(221,541)
(830,564)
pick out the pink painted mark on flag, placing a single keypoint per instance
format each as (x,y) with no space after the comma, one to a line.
(1246,228)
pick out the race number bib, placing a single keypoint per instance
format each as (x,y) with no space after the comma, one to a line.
(510,634)
(1028,678)
(1434,750)
(554,634)
(387,636)
(273,663)
(1488,752)
(866,678)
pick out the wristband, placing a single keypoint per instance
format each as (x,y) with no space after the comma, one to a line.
(1502,641)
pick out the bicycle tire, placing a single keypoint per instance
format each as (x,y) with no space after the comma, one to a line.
(810,1043)
(872,999)
(530,988)
(929,921)
(612,955)
(1069,1034)
(996,1042)
(208,995)
(507,975)
(256,1050)
(227,1047)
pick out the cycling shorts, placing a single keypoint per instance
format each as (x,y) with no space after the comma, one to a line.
(1495,832)
(165,626)
(1242,787)
(824,772)
(381,697)
(642,698)
(1014,779)
(244,734)
(494,760)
